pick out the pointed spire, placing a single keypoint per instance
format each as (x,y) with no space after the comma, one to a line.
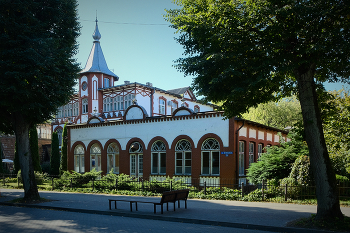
(96,35)
(96,61)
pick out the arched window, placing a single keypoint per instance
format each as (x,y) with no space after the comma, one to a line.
(79,159)
(136,159)
(210,157)
(85,107)
(183,160)
(95,157)
(158,158)
(113,158)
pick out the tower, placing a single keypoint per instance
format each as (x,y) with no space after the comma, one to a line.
(93,77)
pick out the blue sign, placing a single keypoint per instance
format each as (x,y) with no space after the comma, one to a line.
(226,153)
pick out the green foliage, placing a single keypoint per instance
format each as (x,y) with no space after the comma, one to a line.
(34,149)
(277,162)
(284,113)
(337,131)
(64,161)
(55,155)
(301,171)
(1,156)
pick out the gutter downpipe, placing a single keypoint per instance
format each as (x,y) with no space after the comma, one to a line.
(151,110)
(237,149)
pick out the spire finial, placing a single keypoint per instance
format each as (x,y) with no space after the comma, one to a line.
(96,35)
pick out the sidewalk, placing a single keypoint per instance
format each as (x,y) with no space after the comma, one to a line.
(247,215)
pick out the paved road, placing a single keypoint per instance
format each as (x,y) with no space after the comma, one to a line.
(20,219)
(74,212)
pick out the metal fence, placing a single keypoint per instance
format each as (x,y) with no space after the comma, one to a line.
(226,189)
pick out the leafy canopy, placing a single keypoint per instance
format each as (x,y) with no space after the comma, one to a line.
(37,68)
(281,114)
(244,52)
(277,161)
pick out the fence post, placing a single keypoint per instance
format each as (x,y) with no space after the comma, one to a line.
(285,192)
(3,176)
(171,185)
(262,189)
(93,184)
(242,188)
(205,188)
(52,183)
(71,183)
(116,184)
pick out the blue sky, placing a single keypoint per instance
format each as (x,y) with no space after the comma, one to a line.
(137,42)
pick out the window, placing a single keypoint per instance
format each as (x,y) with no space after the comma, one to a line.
(79,159)
(251,153)
(59,112)
(173,106)
(183,154)
(128,100)
(162,106)
(241,158)
(76,109)
(260,150)
(84,86)
(158,158)
(118,103)
(70,109)
(107,104)
(106,82)
(210,157)
(136,159)
(95,157)
(196,108)
(85,108)
(59,134)
(113,158)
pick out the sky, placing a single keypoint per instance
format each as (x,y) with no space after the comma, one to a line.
(136,40)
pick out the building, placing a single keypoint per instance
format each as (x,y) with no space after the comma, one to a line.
(148,132)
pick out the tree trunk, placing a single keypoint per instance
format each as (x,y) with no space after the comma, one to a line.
(326,191)
(25,158)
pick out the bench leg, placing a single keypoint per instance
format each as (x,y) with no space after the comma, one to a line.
(167,207)
(136,205)
(162,208)
(178,204)
(174,205)
(131,206)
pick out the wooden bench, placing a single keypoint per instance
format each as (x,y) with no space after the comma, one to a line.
(167,197)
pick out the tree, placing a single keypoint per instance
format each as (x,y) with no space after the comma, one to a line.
(337,131)
(250,52)
(282,114)
(55,155)
(34,148)
(64,148)
(1,164)
(277,161)
(37,45)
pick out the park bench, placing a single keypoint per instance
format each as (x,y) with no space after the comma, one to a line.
(167,197)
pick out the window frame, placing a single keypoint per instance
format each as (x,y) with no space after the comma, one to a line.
(85,106)
(113,153)
(79,156)
(158,158)
(241,149)
(212,153)
(183,151)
